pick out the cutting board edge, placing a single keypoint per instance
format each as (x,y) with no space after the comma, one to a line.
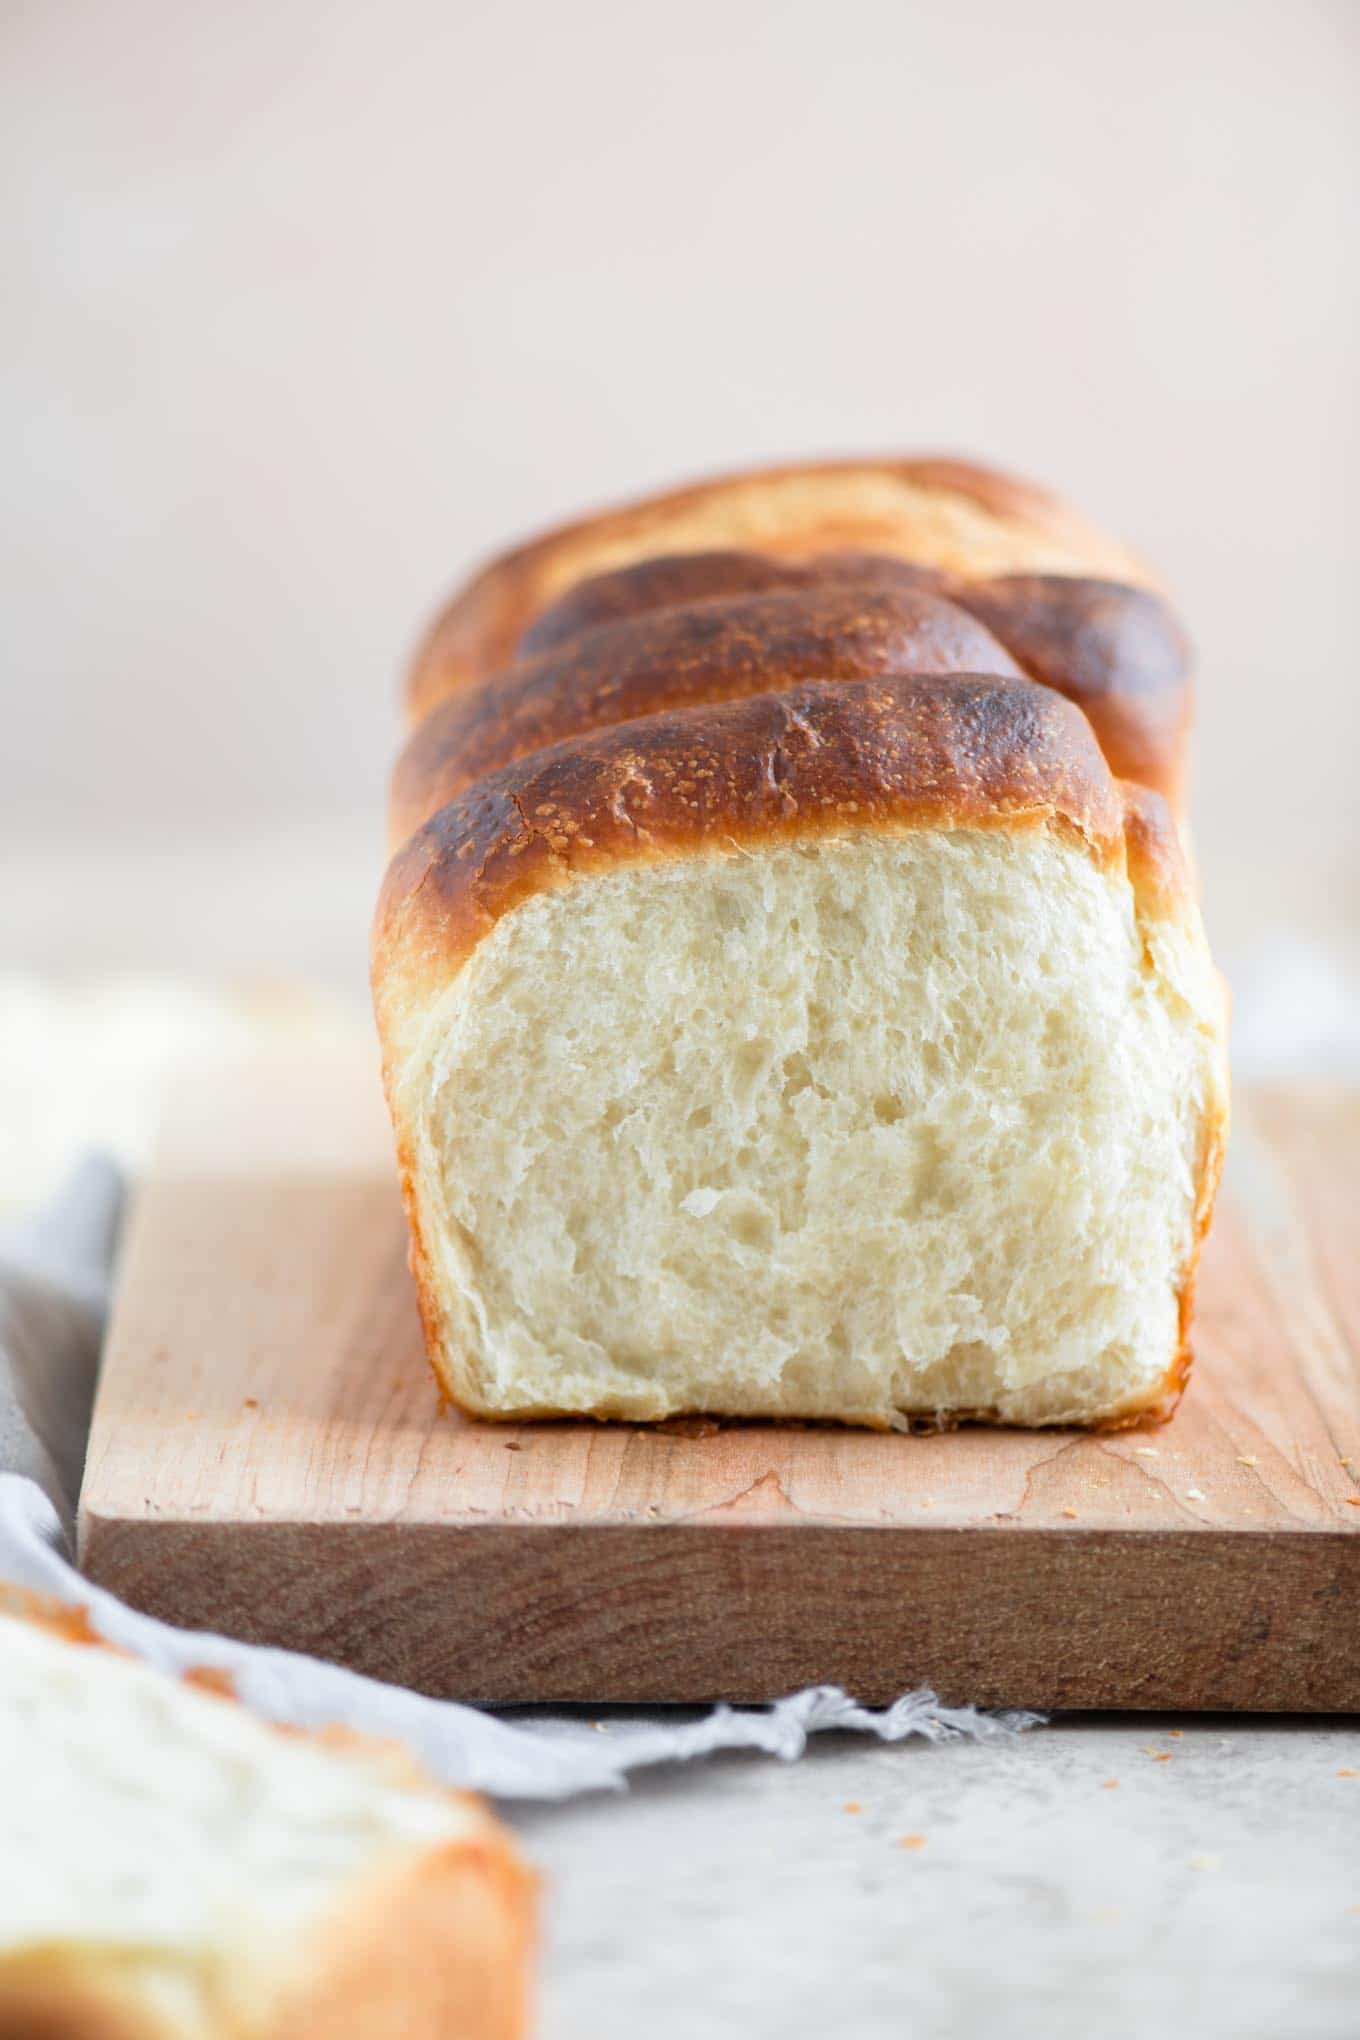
(1207,1620)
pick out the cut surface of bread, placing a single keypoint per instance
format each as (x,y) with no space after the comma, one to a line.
(848,1052)
(948,516)
(173,1868)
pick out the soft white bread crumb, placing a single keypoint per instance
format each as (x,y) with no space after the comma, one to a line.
(869,1127)
(170,1866)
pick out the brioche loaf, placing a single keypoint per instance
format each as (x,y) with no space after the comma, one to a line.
(172,1868)
(792,994)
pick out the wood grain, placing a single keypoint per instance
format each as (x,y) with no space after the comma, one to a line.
(268,1458)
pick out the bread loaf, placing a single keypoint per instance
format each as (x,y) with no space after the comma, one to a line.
(793,997)
(172,1868)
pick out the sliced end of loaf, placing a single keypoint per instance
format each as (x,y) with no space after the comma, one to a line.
(914,1123)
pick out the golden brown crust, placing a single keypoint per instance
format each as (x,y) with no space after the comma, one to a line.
(472,1908)
(52,1995)
(939,513)
(1157,868)
(1155,860)
(1117,651)
(674,632)
(701,653)
(667,581)
(442,1945)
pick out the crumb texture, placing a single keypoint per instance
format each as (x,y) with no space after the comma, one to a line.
(861,1127)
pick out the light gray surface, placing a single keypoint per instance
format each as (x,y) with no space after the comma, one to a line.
(1216,1894)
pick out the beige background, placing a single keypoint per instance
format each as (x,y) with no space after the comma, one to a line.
(310,304)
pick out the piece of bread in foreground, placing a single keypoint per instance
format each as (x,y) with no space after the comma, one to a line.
(948,517)
(851,1051)
(173,1868)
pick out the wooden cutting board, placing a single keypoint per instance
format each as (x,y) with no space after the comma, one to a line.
(269,1458)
